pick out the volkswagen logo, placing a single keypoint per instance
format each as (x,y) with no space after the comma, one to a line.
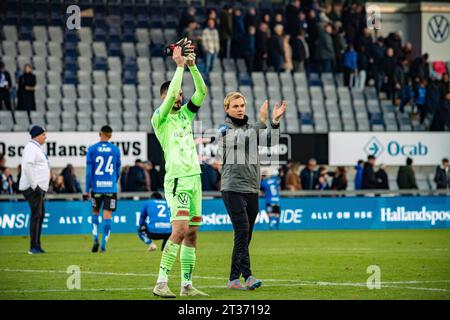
(438,28)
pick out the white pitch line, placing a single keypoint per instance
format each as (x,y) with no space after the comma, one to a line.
(222,287)
(292,283)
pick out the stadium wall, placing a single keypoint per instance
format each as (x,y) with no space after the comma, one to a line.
(313,213)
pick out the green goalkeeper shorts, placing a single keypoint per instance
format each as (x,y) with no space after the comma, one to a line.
(184,197)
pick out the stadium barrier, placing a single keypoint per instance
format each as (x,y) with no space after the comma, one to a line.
(311,211)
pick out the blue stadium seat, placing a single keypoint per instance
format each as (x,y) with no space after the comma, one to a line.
(142,21)
(100,63)
(244,79)
(70,63)
(70,49)
(306,118)
(70,77)
(99,34)
(114,49)
(26,32)
(129,77)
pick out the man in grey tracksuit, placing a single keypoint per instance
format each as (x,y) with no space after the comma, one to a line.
(238,149)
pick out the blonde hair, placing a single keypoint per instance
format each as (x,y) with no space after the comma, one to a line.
(232,96)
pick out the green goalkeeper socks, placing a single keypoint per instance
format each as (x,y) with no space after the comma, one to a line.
(168,258)
(187,257)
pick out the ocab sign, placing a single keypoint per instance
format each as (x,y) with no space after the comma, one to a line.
(390,148)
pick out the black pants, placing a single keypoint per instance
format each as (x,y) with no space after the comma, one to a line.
(5,98)
(36,201)
(242,209)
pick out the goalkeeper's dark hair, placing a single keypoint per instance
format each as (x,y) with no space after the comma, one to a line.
(156,195)
(106,129)
(164,88)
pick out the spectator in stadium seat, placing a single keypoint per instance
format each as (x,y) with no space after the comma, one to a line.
(339,45)
(300,51)
(406,94)
(210,43)
(394,41)
(193,33)
(261,47)
(155,178)
(211,14)
(124,178)
(369,180)
(350,66)
(325,49)
(406,178)
(421,100)
(400,75)
(389,64)
(210,176)
(187,16)
(7,181)
(71,184)
(322,180)
(238,34)
(442,175)
(226,31)
(288,64)
(359,174)
(340,181)
(5,85)
(136,177)
(292,12)
(309,175)
(251,18)
(25,91)
(147,167)
(382,178)
(278,19)
(292,178)
(249,48)
(377,51)
(436,104)
(419,68)
(363,66)
(276,48)
(407,52)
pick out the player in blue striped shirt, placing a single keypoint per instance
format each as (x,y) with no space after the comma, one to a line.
(102,174)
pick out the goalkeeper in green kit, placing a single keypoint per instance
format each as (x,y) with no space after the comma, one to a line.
(172,123)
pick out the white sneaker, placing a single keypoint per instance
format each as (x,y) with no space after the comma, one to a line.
(190,291)
(162,290)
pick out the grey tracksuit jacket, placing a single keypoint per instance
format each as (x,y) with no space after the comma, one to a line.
(238,151)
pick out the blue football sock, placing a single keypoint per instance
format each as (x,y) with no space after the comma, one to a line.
(95,227)
(106,232)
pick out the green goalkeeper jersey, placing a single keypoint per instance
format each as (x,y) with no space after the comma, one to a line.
(174,130)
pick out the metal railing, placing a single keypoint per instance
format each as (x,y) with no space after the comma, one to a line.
(284,193)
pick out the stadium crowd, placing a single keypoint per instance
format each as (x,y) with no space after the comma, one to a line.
(145,176)
(305,36)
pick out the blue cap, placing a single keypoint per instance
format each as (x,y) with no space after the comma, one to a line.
(36,130)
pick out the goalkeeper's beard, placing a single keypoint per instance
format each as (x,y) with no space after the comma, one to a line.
(177,105)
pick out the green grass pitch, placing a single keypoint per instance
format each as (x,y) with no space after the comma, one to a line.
(414,264)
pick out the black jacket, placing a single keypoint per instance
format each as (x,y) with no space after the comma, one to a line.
(309,179)
(441,178)
(25,97)
(136,179)
(382,179)
(369,180)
